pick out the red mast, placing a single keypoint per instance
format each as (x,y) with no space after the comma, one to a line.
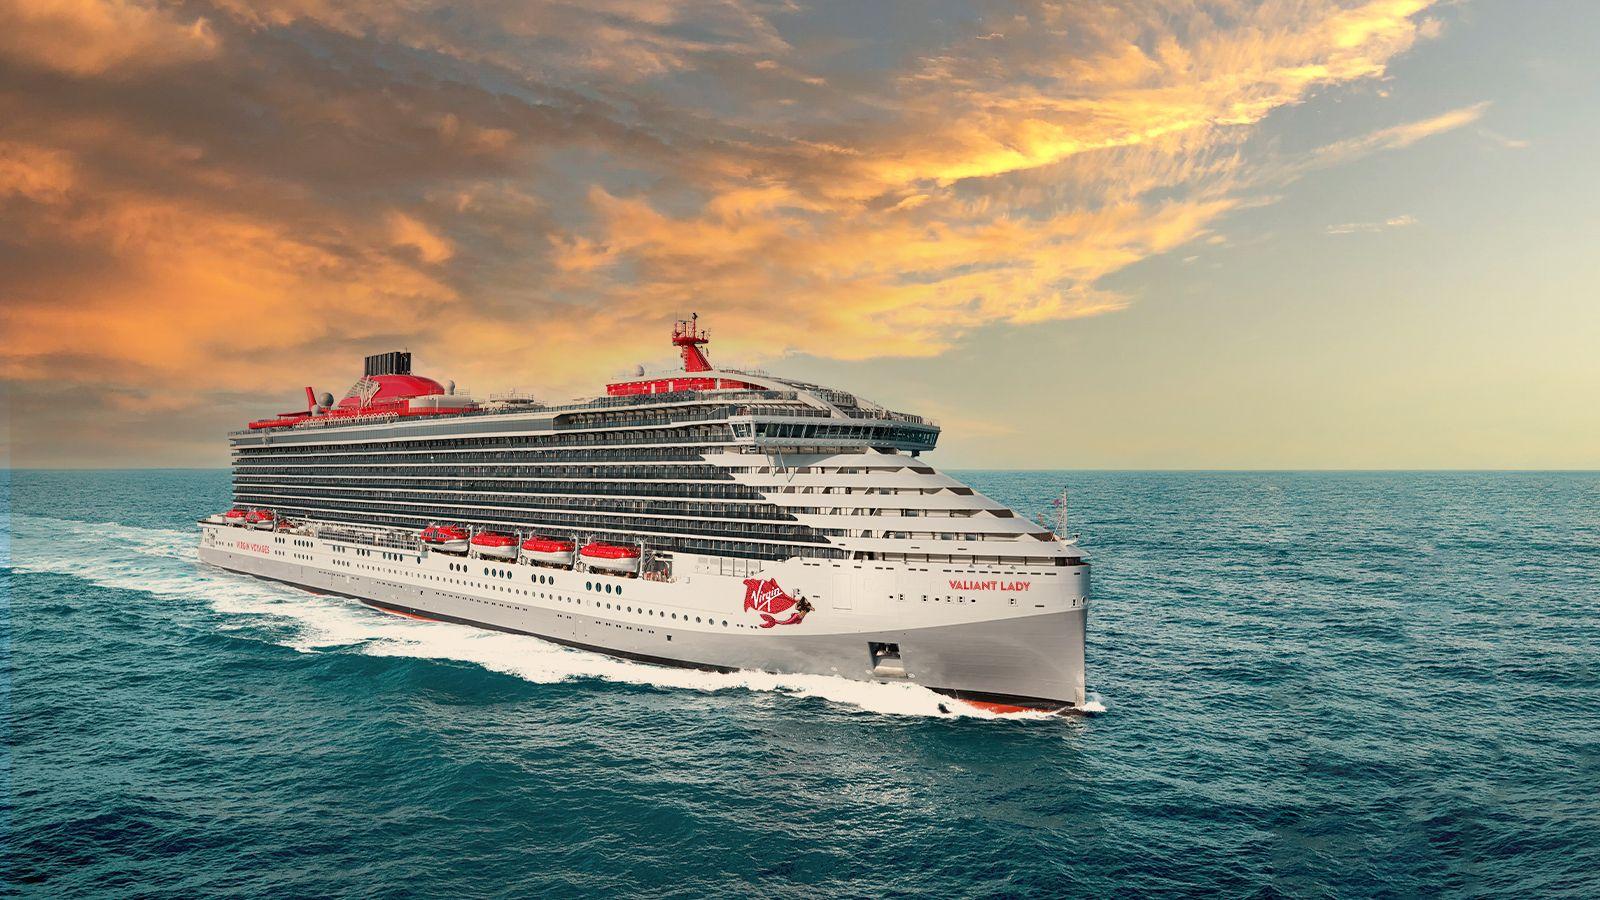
(688,337)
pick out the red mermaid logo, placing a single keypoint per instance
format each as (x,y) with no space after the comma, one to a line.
(768,600)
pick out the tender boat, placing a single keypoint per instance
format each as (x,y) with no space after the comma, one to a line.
(234,516)
(261,519)
(547,552)
(445,537)
(492,544)
(610,558)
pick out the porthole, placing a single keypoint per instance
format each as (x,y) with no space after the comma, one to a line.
(619,590)
(588,585)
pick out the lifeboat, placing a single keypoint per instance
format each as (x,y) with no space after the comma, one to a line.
(261,519)
(444,537)
(610,558)
(547,551)
(234,517)
(499,546)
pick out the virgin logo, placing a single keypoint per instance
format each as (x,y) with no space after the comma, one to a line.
(769,601)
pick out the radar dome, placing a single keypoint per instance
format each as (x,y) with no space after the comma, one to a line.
(325,400)
(638,371)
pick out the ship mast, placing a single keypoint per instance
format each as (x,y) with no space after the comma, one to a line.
(688,337)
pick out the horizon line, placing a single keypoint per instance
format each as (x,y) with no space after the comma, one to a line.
(1157,469)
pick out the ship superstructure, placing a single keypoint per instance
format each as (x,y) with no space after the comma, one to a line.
(750,521)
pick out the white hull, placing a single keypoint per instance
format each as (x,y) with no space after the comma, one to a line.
(451,546)
(1012,637)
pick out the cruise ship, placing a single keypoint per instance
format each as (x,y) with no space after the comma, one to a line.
(715,518)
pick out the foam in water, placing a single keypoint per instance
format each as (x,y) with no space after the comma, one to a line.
(162,562)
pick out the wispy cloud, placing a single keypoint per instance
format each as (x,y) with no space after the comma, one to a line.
(1509,143)
(289,181)
(1401,221)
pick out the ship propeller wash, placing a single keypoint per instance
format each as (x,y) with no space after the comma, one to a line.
(713,518)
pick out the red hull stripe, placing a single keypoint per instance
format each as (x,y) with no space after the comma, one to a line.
(405,615)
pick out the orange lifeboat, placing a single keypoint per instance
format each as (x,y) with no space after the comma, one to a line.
(444,537)
(610,558)
(493,544)
(547,551)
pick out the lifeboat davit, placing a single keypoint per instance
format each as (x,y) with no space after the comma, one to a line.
(547,551)
(610,558)
(261,519)
(444,537)
(499,546)
(234,517)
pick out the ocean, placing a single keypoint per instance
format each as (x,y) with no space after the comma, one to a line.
(1313,684)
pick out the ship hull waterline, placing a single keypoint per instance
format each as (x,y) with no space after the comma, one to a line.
(979,662)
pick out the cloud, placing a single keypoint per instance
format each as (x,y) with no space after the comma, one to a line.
(1394,137)
(1400,221)
(86,38)
(405,231)
(1509,143)
(224,195)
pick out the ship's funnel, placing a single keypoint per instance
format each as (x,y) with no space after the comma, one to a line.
(397,362)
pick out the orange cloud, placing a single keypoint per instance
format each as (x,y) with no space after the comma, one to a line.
(86,38)
(405,231)
(360,173)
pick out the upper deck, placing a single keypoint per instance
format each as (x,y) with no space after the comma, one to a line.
(761,411)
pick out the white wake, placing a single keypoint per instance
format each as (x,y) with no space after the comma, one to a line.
(163,562)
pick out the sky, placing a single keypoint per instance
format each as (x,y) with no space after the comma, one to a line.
(1157,234)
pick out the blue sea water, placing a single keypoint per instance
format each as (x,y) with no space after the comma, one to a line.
(1314,685)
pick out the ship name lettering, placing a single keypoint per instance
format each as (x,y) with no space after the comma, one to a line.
(1016,586)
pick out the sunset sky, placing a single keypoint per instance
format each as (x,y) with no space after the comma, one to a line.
(1167,233)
